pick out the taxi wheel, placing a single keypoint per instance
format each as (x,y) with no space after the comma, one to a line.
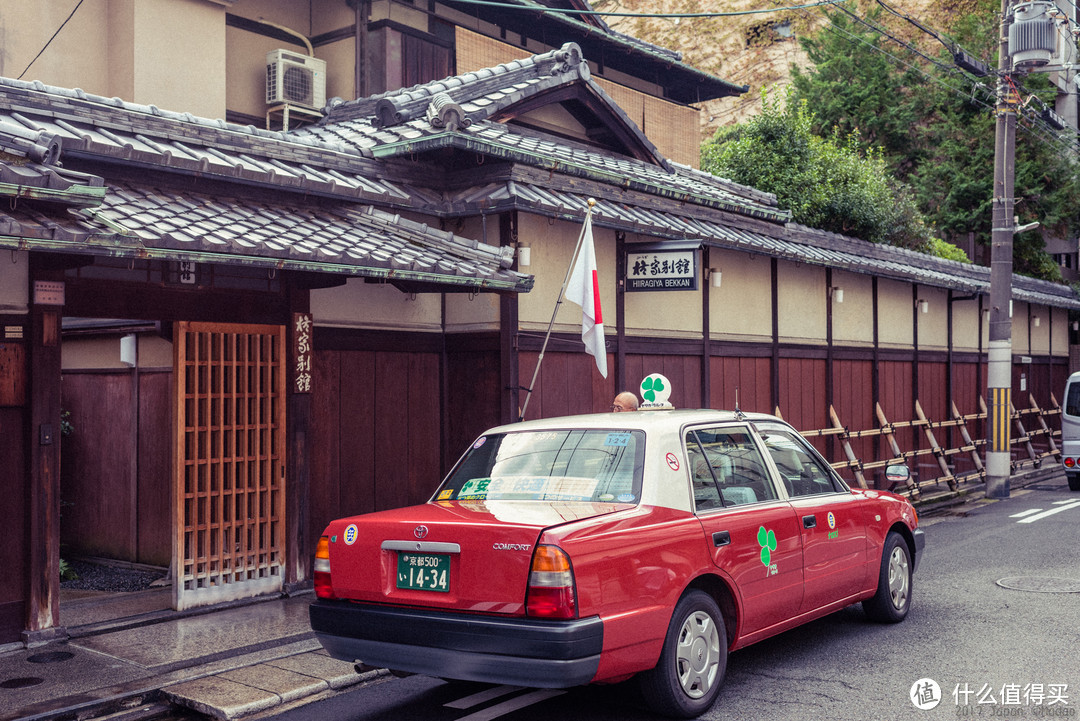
(893,598)
(688,675)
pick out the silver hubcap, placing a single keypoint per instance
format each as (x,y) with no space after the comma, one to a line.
(698,658)
(899,577)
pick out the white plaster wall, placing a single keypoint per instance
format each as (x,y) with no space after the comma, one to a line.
(741,308)
(551,248)
(93,353)
(894,314)
(377,306)
(966,322)
(801,302)
(934,323)
(853,319)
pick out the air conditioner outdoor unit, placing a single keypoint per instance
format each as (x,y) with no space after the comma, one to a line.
(295,79)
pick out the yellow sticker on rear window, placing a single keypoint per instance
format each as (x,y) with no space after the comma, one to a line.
(443,495)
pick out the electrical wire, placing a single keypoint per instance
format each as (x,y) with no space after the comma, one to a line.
(1035,125)
(531,7)
(71,15)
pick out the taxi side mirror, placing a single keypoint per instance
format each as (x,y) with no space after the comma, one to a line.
(898,473)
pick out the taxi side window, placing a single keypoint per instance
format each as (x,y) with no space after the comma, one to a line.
(801,470)
(726,468)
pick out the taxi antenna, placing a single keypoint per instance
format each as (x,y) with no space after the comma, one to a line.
(738,413)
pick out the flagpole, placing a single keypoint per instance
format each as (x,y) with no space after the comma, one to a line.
(558,302)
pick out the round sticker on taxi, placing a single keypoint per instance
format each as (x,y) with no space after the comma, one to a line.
(672,461)
(832,520)
(350,534)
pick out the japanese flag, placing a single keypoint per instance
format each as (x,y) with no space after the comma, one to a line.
(584,289)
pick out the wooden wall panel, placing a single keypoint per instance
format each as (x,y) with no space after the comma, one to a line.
(377,424)
(895,383)
(154,542)
(802,392)
(743,379)
(967,387)
(635,372)
(98,492)
(568,384)
(424,430)
(12,374)
(391,437)
(472,380)
(853,399)
(554,396)
(933,390)
(356,433)
(324,500)
(13,531)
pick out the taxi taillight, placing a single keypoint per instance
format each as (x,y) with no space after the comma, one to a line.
(552,592)
(1069,462)
(323,587)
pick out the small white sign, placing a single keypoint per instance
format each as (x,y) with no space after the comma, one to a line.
(186,272)
(662,270)
(48,292)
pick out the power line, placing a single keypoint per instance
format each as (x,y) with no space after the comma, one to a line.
(536,7)
(77,6)
(1038,128)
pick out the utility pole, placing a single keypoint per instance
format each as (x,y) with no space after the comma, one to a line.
(999,372)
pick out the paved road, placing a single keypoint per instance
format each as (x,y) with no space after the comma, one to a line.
(976,640)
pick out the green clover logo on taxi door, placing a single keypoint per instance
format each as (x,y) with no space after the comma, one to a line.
(767,541)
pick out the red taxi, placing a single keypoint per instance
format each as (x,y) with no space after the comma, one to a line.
(593,548)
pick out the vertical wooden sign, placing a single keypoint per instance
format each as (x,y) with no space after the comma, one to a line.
(302,352)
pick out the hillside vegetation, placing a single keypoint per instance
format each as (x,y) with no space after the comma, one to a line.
(897,143)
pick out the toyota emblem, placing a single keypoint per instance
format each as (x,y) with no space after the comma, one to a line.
(420,532)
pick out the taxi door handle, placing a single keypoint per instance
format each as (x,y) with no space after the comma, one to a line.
(721,538)
(809,521)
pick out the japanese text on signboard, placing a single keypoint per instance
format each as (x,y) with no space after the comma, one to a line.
(662,270)
(302,351)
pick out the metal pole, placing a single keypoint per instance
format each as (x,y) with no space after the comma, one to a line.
(558,302)
(999,371)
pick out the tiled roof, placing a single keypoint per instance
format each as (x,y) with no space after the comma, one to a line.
(598,21)
(144,222)
(793,242)
(344,161)
(399,124)
(682,83)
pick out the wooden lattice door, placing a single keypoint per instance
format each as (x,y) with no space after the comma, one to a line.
(229,517)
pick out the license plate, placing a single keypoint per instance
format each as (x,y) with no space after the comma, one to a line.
(423,572)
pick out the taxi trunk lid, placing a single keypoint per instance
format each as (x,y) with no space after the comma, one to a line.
(470,556)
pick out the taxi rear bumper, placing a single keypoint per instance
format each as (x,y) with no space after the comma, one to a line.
(517,651)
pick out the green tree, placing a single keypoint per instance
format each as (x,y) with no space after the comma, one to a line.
(935,126)
(835,183)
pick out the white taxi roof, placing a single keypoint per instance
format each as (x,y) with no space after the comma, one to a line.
(649,420)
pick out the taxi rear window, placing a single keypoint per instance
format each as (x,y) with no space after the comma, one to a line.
(562,465)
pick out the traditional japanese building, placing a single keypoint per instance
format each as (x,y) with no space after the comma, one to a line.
(251,331)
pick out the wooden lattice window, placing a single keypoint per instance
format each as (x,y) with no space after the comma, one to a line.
(230,462)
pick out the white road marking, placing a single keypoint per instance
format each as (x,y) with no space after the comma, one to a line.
(1044,514)
(1065,502)
(1028,512)
(482,697)
(494,712)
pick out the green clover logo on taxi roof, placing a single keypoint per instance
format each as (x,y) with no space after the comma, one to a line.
(767,541)
(650,387)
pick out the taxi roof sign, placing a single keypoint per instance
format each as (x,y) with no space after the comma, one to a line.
(655,390)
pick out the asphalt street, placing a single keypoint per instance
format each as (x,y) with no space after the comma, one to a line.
(994,631)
